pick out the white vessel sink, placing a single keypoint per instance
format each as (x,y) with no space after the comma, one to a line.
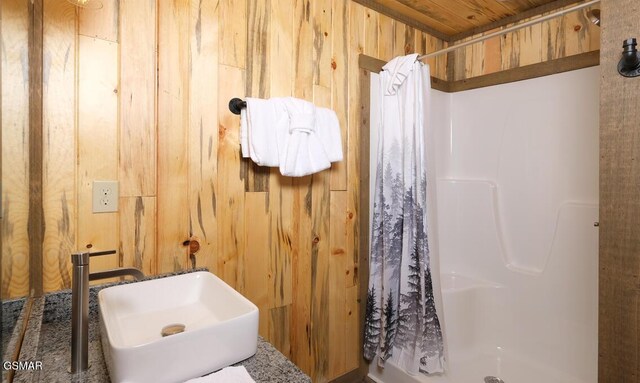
(220,328)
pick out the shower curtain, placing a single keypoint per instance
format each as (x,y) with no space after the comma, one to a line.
(401,322)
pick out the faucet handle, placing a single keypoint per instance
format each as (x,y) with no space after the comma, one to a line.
(106,252)
(82,258)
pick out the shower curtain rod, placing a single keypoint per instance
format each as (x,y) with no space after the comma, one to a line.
(510,29)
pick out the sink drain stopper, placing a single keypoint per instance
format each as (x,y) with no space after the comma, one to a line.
(172,329)
(492,379)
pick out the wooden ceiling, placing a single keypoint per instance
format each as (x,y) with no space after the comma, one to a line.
(455,19)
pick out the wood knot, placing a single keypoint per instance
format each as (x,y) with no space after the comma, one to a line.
(89,246)
(577,28)
(221,131)
(316,239)
(193,244)
(326,34)
(471,17)
(333,64)
(350,215)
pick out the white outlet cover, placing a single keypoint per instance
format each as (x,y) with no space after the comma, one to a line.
(105,196)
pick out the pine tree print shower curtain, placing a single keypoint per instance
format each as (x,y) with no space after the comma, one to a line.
(401,320)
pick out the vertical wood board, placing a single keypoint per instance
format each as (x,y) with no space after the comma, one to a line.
(172,135)
(138,76)
(203,131)
(97,145)
(14,29)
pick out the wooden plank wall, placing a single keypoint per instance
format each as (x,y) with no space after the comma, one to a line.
(137,92)
(619,317)
(557,38)
(14,25)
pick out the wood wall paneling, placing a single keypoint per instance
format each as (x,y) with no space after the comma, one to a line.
(322,12)
(103,23)
(300,319)
(203,130)
(340,84)
(137,134)
(399,39)
(385,45)
(36,213)
(230,196)
(232,32)
(357,42)
(60,201)
(565,36)
(138,234)
(371,25)
(619,321)
(256,266)
(14,29)
(137,125)
(337,293)
(97,142)
(281,189)
(320,252)
(174,75)
(302,50)
(257,83)
(281,231)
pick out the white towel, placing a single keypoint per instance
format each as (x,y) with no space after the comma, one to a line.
(302,152)
(328,130)
(257,131)
(291,134)
(244,134)
(226,375)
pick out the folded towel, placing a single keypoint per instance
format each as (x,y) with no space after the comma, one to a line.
(226,375)
(302,152)
(290,133)
(257,131)
(244,134)
(328,131)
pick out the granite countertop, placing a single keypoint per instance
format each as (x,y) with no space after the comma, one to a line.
(48,339)
(13,312)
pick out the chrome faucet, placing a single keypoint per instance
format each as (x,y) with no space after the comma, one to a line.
(80,303)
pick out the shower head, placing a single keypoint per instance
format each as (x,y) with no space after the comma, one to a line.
(89,4)
(594,16)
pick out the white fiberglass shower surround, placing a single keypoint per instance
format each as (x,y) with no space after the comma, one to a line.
(516,168)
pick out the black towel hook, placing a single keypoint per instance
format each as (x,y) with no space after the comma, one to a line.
(236,104)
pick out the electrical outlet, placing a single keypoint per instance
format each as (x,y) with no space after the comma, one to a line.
(105,196)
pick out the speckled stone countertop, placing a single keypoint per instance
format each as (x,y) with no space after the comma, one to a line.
(48,339)
(13,312)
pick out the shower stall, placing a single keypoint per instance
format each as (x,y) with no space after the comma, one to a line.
(516,211)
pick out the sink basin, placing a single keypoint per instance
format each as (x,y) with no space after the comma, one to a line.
(220,328)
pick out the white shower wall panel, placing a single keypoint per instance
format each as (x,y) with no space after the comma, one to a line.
(517,206)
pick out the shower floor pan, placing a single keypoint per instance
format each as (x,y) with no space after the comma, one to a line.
(475,324)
